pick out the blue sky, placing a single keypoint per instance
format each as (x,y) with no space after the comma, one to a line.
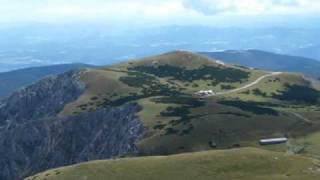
(142,12)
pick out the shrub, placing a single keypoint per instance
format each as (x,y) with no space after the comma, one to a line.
(300,94)
(216,74)
(250,107)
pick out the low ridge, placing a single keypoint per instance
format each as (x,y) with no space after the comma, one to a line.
(245,163)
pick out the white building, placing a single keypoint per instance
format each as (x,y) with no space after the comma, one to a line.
(273,141)
(205,93)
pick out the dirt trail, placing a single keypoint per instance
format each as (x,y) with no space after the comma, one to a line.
(250,84)
(302,118)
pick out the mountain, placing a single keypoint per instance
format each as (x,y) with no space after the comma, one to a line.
(244,163)
(40,44)
(149,107)
(268,61)
(14,80)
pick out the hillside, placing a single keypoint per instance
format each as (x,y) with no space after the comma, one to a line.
(245,163)
(268,61)
(149,107)
(178,121)
(14,80)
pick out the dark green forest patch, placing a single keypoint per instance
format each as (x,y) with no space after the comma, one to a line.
(227,87)
(258,92)
(135,79)
(150,86)
(216,74)
(300,94)
(181,115)
(234,114)
(252,107)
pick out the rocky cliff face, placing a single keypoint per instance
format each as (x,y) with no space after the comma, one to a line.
(33,138)
(43,99)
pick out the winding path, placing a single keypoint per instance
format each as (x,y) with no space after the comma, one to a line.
(299,116)
(250,84)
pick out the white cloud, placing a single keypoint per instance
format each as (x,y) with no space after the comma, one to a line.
(212,7)
(111,8)
(62,9)
(146,11)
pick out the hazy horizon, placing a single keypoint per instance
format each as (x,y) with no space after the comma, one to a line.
(44,32)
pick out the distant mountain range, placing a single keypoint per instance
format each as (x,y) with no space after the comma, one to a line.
(268,61)
(42,44)
(13,80)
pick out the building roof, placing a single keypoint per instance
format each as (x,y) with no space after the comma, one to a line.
(274,140)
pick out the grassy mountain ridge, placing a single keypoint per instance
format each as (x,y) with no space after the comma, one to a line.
(177,121)
(246,163)
(248,105)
